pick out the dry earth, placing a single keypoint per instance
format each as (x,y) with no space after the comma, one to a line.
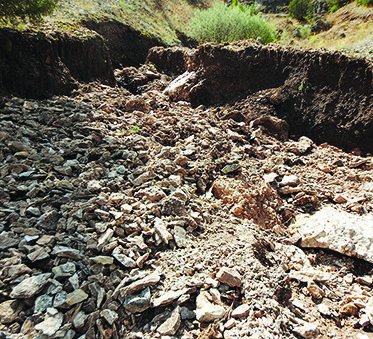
(136,216)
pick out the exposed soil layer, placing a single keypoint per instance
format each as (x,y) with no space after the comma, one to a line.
(39,64)
(326,96)
(127,46)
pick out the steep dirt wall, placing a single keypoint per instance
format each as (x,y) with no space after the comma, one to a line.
(38,64)
(327,96)
(127,46)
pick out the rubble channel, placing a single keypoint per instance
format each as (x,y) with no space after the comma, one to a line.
(127,213)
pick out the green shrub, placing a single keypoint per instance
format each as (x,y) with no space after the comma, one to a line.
(301,9)
(14,10)
(365,3)
(333,5)
(226,24)
(305,31)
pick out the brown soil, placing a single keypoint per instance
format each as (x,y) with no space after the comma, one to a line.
(326,96)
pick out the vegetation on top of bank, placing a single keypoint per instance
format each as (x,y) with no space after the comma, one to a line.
(14,11)
(222,23)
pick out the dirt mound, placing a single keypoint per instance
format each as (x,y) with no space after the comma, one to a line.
(327,96)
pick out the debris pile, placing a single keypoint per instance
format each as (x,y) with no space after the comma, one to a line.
(125,214)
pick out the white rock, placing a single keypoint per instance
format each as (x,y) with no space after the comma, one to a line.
(172,324)
(180,236)
(289,180)
(339,231)
(241,311)
(79,320)
(103,260)
(307,331)
(161,229)
(50,325)
(369,309)
(168,298)
(207,311)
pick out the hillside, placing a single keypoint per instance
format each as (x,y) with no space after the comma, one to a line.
(348,30)
(157,18)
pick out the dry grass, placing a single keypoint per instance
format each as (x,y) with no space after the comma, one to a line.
(351,31)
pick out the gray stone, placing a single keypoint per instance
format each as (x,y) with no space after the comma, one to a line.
(48,220)
(67,252)
(42,303)
(64,270)
(339,231)
(60,300)
(30,286)
(16,146)
(136,286)
(7,242)
(14,271)
(80,320)
(173,206)
(109,315)
(125,260)
(39,254)
(76,297)
(186,313)
(138,303)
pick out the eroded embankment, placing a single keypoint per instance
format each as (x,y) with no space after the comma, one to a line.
(326,96)
(39,64)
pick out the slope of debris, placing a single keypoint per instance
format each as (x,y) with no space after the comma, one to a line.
(132,216)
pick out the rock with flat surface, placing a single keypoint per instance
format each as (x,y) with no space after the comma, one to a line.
(30,286)
(136,286)
(168,298)
(241,311)
(139,302)
(7,242)
(9,311)
(230,277)
(307,331)
(172,323)
(339,231)
(109,315)
(50,325)
(206,310)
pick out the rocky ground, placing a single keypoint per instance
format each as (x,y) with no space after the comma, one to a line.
(125,214)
